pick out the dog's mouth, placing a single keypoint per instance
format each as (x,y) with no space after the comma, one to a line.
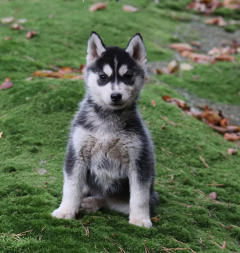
(118,105)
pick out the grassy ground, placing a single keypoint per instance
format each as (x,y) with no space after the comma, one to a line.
(35,117)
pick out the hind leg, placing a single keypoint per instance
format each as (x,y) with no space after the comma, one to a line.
(94,203)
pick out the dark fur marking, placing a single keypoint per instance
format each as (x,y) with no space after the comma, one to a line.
(70,159)
(120,187)
(145,161)
(122,58)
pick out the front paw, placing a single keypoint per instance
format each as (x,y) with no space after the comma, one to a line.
(63,213)
(141,222)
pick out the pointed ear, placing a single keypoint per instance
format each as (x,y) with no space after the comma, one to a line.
(95,48)
(136,49)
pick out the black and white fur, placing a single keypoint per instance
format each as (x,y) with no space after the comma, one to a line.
(110,160)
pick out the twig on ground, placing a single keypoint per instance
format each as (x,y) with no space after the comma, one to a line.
(204,161)
(16,236)
(168,120)
(174,249)
(184,245)
(111,240)
(87,232)
(146,249)
(168,153)
(216,185)
(41,235)
(182,204)
(106,250)
(219,246)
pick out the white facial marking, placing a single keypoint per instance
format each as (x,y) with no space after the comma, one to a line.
(107,70)
(123,69)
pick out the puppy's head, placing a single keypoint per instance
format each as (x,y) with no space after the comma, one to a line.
(115,76)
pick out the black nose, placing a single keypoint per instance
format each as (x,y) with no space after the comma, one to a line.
(116,97)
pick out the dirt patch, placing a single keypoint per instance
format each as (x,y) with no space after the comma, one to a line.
(208,36)
(231,112)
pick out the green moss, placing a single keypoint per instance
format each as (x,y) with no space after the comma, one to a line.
(228,13)
(232,28)
(35,117)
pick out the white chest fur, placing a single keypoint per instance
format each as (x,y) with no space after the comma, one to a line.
(110,155)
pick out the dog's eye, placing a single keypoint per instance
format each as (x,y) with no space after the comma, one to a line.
(128,75)
(103,76)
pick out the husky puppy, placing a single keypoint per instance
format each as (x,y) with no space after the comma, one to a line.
(110,160)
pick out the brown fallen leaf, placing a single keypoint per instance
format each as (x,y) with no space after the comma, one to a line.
(153,102)
(223,130)
(224,245)
(129,8)
(225,57)
(161,71)
(82,68)
(199,58)
(227,227)
(1,134)
(173,67)
(16,26)
(204,6)
(211,116)
(218,21)
(232,151)
(224,122)
(63,73)
(6,84)
(213,195)
(194,113)
(31,34)
(231,4)
(98,6)
(78,77)
(222,50)
(233,129)
(176,101)
(155,219)
(65,70)
(167,98)
(180,47)
(7,20)
(232,136)
(195,43)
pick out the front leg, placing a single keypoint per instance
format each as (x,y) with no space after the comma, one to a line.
(139,201)
(74,186)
